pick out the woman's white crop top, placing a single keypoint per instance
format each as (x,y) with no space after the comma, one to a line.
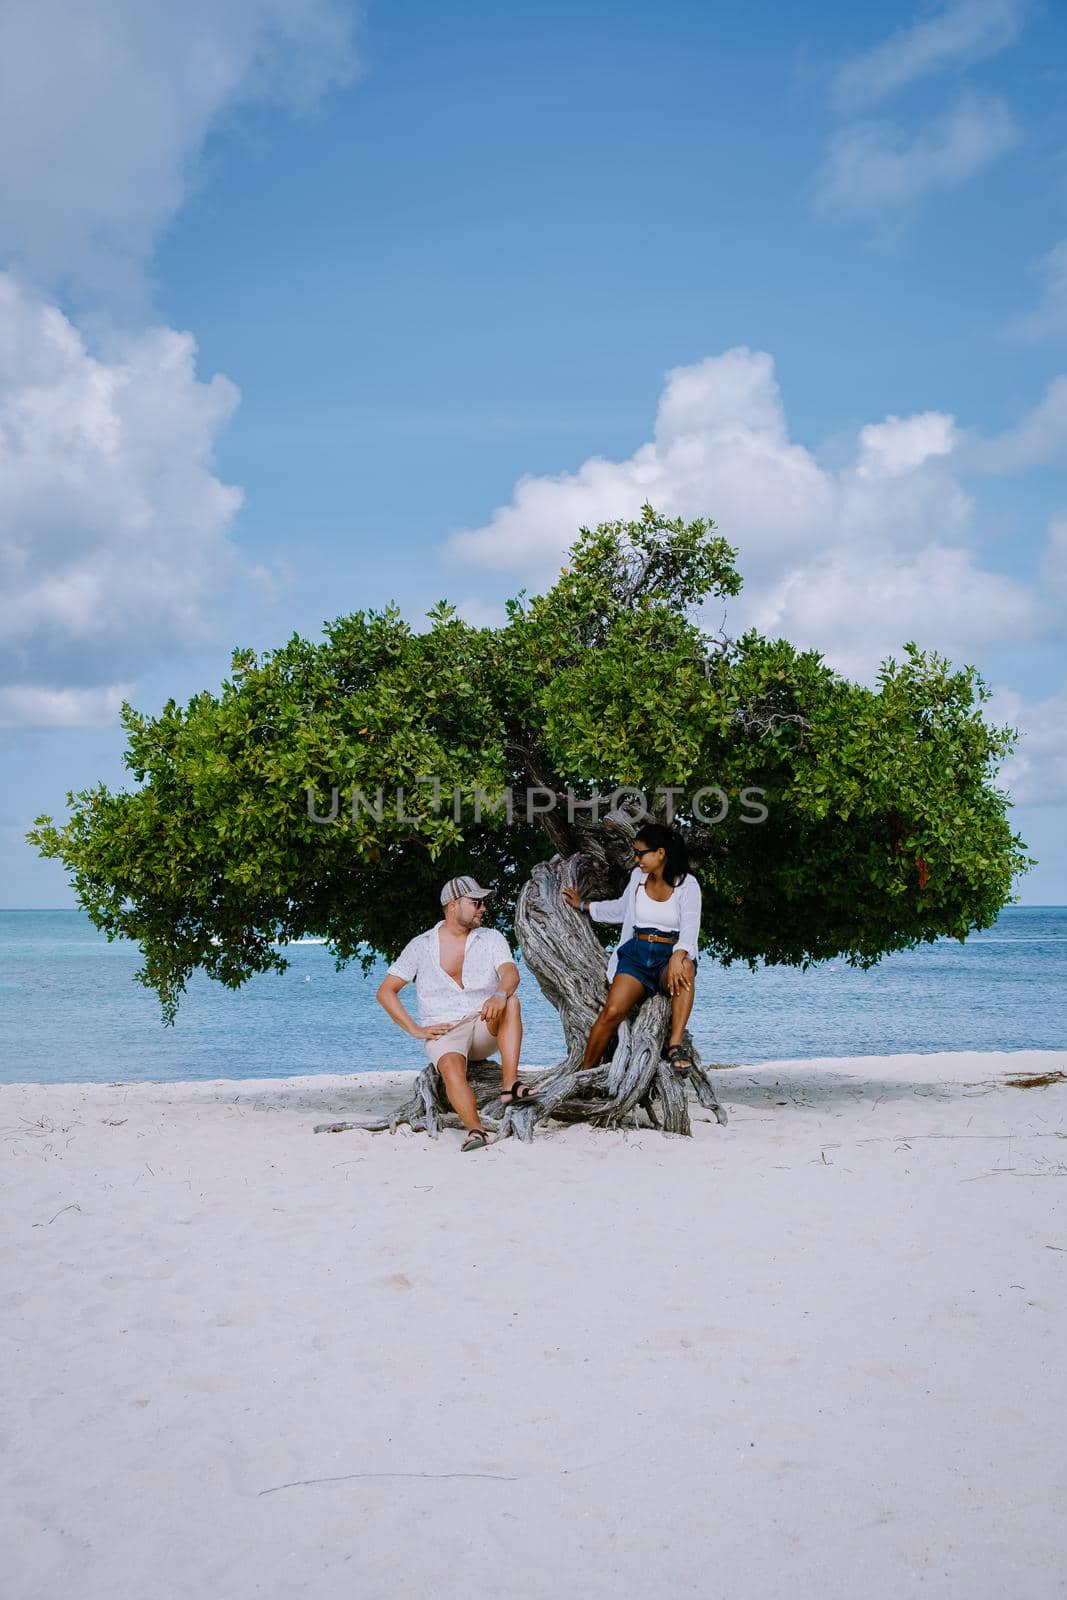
(659,914)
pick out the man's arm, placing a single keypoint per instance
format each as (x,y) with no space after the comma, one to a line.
(388,997)
(508,974)
(507,982)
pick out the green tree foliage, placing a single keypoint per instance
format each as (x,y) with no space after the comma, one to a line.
(883,824)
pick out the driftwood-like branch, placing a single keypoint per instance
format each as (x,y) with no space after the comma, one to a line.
(427,1109)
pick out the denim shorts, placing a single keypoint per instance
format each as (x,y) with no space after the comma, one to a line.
(644,960)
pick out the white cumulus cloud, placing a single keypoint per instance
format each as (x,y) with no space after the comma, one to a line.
(113,525)
(480,613)
(31,705)
(720,434)
(1039,438)
(1036,773)
(859,606)
(721,446)
(114,528)
(104,108)
(900,445)
(852,560)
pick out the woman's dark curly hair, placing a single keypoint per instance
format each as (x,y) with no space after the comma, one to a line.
(658,836)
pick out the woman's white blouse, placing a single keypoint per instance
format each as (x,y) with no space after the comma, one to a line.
(687,895)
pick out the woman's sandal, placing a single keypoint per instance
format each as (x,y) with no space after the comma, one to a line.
(520,1094)
(477,1139)
(678,1053)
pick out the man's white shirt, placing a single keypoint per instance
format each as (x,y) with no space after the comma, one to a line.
(440,997)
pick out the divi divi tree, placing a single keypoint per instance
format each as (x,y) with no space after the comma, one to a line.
(329,788)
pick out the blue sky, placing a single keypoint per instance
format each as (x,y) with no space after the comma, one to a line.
(307,307)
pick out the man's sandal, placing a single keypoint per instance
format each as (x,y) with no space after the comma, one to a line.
(520,1094)
(477,1139)
(676,1055)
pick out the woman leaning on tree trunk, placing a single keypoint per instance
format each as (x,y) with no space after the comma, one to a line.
(660,914)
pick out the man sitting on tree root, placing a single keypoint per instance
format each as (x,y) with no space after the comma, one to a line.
(465,980)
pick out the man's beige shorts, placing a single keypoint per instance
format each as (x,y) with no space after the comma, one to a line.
(471,1039)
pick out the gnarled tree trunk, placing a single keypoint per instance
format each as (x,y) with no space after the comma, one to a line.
(569,963)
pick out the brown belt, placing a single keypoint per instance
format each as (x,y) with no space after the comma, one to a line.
(657,938)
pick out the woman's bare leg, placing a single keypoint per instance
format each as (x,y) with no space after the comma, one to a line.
(681,1002)
(623,995)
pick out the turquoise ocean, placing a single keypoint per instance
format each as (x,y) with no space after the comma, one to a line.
(70,1010)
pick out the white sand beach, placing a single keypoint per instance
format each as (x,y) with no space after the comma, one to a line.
(818,1352)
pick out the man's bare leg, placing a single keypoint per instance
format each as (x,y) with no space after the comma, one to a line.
(509,1043)
(509,1039)
(453,1069)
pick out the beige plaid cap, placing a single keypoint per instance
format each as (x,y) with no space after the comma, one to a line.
(456,888)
